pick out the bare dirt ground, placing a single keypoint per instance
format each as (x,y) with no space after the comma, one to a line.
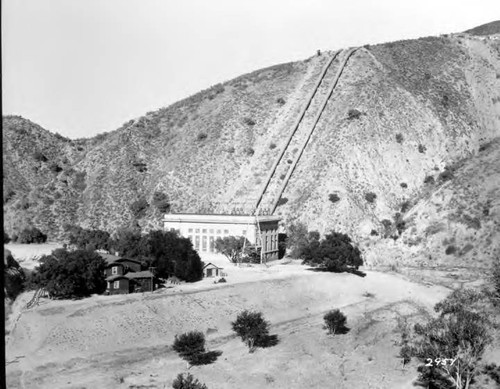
(125,341)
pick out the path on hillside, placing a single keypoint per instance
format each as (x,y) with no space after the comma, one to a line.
(299,136)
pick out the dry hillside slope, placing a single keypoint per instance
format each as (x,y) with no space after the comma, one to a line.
(400,112)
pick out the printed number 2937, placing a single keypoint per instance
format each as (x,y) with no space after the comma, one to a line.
(440,361)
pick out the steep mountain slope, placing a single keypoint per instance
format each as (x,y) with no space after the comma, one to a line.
(401,112)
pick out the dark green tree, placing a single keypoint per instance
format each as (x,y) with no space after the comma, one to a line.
(253,330)
(69,274)
(31,235)
(335,322)
(334,253)
(188,382)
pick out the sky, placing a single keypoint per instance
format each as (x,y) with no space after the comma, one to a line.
(82,67)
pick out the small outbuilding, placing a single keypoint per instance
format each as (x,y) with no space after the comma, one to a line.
(211,270)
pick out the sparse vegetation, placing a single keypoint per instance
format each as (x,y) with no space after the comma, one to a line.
(335,322)
(272,146)
(249,151)
(280,101)
(161,202)
(451,249)
(429,180)
(399,138)
(421,148)
(404,185)
(446,175)
(282,201)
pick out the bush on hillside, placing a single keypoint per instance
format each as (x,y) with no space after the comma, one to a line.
(31,235)
(249,151)
(6,238)
(69,274)
(334,253)
(249,121)
(201,136)
(421,148)
(353,114)
(335,322)
(272,146)
(429,180)
(253,330)
(445,175)
(333,197)
(404,185)
(462,331)
(139,207)
(282,201)
(191,347)
(297,239)
(161,202)
(399,138)
(280,101)
(370,197)
(39,157)
(188,382)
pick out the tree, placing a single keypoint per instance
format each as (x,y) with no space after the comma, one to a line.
(251,328)
(460,331)
(191,347)
(14,278)
(68,274)
(31,235)
(85,239)
(139,207)
(231,247)
(189,382)
(6,238)
(297,239)
(334,253)
(335,322)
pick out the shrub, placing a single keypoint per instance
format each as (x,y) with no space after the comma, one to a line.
(272,146)
(335,322)
(445,175)
(222,280)
(14,278)
(139,207)
(399,138)
(297,239)
(39,157)
(370,197)
(429,180)
(68,274)
(249,151)
(404,185)
(252,329)
(201,136)
(79,181)
(333,197)
(31,235)
(230,150)
(282,201)
(85,239)
(189,344)
(249,121)
(405,206)
(280,101)
(450,250)
(353,114)
(6,238)
(188,382)
(161,202)
(421,148)
(334,253)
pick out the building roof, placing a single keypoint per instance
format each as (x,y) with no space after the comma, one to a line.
(218,219)
(112,259)
(139,274)
(115,277)
(210,263)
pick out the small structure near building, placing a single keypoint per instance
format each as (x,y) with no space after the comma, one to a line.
(203,231)
(125,275)
(211,270)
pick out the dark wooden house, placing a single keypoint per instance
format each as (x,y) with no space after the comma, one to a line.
(125,275)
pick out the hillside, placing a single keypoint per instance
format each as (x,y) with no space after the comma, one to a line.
(485,29)
(401,111)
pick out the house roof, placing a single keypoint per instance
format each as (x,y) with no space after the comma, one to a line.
(210,263)
(219,219)
(115,277)
(139,274)
(110,259)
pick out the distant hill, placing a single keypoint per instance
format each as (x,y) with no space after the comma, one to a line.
(486,29)
(401,112)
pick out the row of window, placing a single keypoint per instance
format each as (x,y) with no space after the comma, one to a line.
(116,284)
(211,231)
